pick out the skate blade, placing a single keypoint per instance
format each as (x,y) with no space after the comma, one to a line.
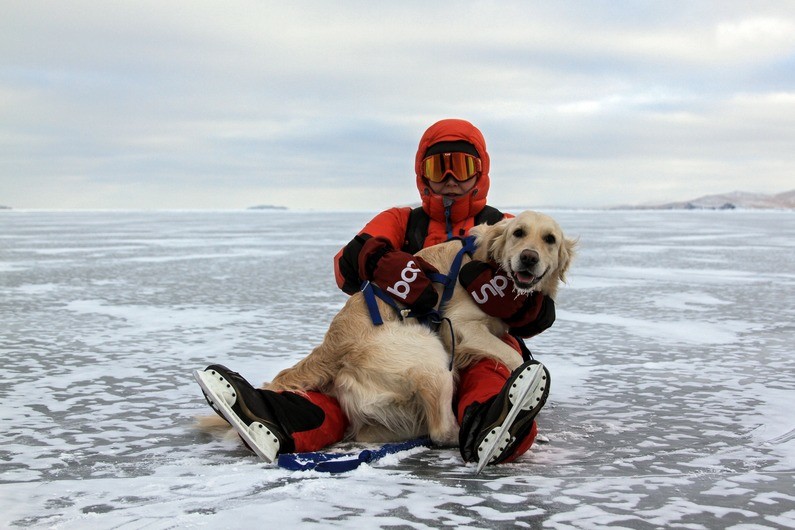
(257,436)
(529,389)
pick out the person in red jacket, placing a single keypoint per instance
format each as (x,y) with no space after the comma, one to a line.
(452,176)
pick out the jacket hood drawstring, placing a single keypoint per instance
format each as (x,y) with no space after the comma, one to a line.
(448,203)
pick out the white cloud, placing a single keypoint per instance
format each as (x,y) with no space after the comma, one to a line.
(757,36)
(208,104)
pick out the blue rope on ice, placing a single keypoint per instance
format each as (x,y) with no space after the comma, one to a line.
(343,462)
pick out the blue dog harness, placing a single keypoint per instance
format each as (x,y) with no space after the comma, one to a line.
(433,317)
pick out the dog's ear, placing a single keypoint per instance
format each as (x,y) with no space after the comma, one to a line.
(566,254)
(490,238)
(497,245)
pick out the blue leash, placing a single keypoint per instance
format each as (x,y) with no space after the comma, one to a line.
(343,462)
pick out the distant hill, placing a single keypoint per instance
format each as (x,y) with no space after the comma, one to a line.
(727,201)
(4,207)
(266,207)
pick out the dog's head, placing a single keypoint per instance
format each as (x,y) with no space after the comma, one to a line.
(530,248)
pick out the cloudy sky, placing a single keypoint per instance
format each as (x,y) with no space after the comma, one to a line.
(310,104)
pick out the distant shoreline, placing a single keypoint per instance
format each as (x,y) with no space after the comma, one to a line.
(726,201)
(737,200)
(266,207)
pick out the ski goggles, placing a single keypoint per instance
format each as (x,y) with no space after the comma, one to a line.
(461,166)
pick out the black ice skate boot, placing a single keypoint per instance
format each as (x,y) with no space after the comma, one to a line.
(490,431)
(249,410)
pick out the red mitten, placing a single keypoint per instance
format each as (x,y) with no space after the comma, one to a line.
(492,290)
(401,275)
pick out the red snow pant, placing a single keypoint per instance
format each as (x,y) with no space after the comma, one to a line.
(478,383)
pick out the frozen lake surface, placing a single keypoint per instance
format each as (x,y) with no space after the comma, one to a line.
(673,377)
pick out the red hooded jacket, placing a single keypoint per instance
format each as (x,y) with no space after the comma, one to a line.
(444,223)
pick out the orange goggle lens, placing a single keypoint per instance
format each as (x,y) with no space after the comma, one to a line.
(460,165)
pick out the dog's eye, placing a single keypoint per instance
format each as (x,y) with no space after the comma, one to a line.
(549,239)
(518,232)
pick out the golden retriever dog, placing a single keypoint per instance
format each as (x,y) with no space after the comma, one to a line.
(394,381)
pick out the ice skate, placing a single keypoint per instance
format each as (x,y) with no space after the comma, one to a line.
(507,419)
(229,394)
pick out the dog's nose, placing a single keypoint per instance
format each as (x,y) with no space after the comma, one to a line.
(529,258)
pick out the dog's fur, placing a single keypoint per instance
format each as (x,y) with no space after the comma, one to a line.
(393,381)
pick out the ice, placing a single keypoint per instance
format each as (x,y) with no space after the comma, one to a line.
(673,377)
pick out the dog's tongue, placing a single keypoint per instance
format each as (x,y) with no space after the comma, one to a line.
(525,277)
